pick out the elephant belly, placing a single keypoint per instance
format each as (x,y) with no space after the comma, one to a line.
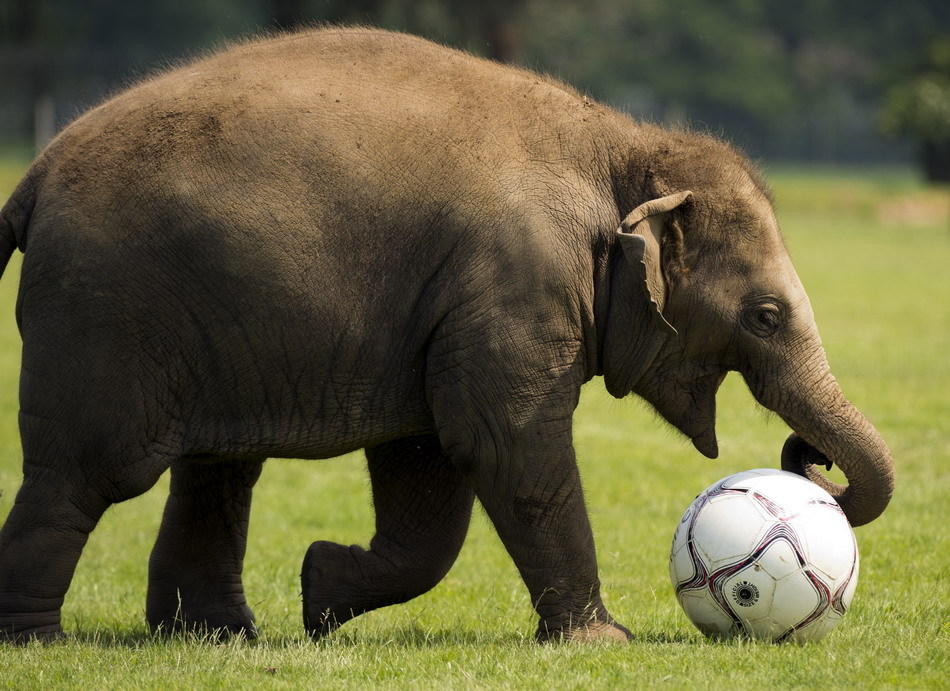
(199,359)
(312,418)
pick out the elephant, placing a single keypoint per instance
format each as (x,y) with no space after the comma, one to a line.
(345,238)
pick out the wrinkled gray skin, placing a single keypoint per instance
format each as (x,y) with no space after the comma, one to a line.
(351,239)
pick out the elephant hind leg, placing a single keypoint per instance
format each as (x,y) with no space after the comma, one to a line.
(423,509)
(194,575)
(72,474)
(40,545)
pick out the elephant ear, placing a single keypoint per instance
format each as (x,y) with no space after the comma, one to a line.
(641,238)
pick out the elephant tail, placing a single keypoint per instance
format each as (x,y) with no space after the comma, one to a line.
(8,241)
(16,213)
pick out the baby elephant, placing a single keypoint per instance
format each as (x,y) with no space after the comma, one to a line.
(351,239)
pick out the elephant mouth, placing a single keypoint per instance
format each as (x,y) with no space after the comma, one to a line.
(690,407)
(704,440)
(706,443)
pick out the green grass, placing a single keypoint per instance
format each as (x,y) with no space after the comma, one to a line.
(873,251)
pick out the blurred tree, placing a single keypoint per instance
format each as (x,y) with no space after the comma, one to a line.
(785,80)
(286,14)
(293,14)
(23,18)
(489,27)
(491,23)
(919,107)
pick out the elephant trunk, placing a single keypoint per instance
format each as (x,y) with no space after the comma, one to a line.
(829,429)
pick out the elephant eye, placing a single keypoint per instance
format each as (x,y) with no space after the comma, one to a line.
(768,319)
(762,319)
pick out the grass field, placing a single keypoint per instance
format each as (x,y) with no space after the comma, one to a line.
(873,250)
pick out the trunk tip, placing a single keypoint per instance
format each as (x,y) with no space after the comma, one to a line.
(863,500)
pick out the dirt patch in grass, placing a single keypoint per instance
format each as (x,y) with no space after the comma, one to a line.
(929,208)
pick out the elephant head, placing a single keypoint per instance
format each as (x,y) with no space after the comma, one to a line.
(701,285)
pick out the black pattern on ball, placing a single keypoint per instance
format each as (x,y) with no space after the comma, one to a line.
(745,593)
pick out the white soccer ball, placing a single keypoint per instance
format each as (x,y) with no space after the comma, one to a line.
(765,554)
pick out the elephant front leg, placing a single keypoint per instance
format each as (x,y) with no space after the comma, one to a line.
(194,576)
(514,443)
(423,509)
(536,503)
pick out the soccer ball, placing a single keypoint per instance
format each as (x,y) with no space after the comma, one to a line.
(765,554)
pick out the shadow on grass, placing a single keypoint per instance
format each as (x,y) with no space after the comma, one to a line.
(413,636)
(140,638)
(664,638)
(409,637)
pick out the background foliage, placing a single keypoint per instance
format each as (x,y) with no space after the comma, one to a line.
(798,80)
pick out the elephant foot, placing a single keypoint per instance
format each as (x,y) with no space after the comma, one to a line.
(20,629)
(214,627)
(600,632)
(341,582)
(169,616)
(594,632)
(25,637)
(329,600)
